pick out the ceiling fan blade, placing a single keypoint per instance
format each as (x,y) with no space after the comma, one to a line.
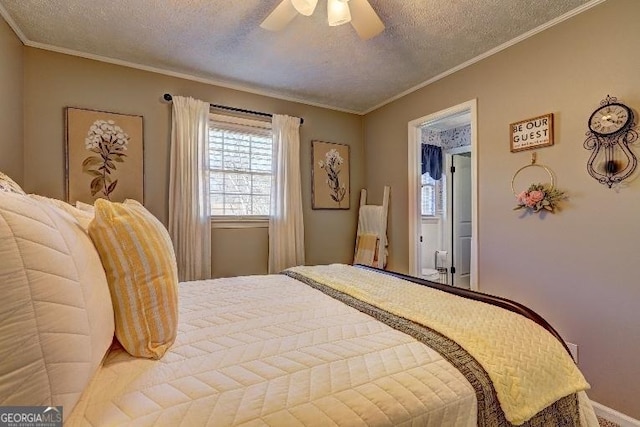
(364,19)
(305,7)
(280,17)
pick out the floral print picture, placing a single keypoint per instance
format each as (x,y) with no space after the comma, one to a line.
(330,187)
(104,156)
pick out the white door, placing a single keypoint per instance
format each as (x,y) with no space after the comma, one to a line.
(461,201)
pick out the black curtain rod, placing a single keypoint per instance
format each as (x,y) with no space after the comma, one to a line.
(168,97)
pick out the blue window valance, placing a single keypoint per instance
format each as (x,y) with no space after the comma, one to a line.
(432,161)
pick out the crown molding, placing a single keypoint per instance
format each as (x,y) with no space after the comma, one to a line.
(25,40)
(491,52)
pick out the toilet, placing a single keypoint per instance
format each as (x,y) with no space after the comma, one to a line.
(438,274)
(430,274)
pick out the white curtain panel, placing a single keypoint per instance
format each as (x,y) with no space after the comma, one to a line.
(286,228)
(189,207)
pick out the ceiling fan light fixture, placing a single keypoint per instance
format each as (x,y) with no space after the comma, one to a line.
(338,12)
(305,7)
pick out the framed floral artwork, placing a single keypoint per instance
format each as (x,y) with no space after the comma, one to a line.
(104,156)
(329,175)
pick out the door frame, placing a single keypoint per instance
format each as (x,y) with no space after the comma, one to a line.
(414,172)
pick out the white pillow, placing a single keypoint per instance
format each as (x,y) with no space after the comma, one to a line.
(10,186)
(85,207)
(81,216)
(56,316)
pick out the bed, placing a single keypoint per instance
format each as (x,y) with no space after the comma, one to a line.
(316,345)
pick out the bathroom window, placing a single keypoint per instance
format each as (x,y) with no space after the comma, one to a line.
(433,196)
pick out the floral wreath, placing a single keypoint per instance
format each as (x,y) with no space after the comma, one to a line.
(538,197)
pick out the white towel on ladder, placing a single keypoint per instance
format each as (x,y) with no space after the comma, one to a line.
(369,219)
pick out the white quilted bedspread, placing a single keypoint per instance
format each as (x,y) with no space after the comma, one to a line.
(268,350)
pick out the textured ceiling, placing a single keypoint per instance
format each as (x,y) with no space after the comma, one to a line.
(221,41)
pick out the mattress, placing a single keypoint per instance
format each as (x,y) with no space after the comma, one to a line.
(271,350)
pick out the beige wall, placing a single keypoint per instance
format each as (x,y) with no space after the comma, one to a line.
(245,251)
(578,268)
(11,71)
(54,81)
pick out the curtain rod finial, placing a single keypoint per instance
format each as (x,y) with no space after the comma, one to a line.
(167,97)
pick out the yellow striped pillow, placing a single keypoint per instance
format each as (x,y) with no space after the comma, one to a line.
(138,257)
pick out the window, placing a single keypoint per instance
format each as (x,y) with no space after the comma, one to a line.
(240,167)
(433,195)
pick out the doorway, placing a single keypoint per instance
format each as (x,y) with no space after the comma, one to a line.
(442,228)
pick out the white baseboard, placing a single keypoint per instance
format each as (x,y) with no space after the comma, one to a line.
(614,416)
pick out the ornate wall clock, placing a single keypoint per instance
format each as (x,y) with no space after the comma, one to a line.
(611,130)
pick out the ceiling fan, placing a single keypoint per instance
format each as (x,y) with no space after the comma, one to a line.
(364,19)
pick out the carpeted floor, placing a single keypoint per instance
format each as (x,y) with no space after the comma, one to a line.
(606,423)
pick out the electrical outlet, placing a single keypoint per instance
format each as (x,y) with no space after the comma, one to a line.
(573,348)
